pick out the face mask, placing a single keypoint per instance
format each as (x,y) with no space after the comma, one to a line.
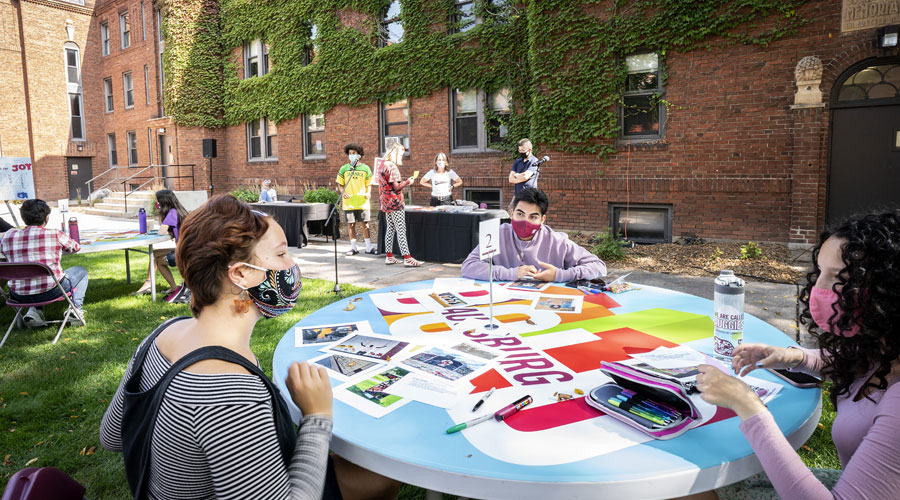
(525,154)
(157,207)
(278,293)
(441,164)
(353,158)
(821,301)
(525,229)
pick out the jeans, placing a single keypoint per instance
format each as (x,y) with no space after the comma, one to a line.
(76,278)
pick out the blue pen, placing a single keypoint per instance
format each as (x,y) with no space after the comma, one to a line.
(656,405)
(644,405)
(645,409)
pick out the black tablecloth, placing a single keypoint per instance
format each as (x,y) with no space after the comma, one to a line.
(294,218)
(436,236)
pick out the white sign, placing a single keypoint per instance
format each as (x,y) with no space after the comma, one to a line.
(489,238)
(63,205)
(16,178)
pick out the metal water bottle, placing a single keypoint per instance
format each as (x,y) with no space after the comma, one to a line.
(73,229)
(142,221)
(728,315)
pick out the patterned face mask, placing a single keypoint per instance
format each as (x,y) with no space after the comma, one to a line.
(278,293)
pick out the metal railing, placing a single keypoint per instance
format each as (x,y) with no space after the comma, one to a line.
(158,175)
(92,179)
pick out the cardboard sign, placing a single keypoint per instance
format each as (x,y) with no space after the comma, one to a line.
(63,205)
(16,178)
(488,238)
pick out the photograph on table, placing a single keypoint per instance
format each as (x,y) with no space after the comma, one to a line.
(380,347)
(448,299)
(430,391)
(446,364)
(343,368)
(528,285)
(369,396)
(559,303)
(324,334)
(477,350)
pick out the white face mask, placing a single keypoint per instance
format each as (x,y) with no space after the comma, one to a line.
(353,158)
(441,164)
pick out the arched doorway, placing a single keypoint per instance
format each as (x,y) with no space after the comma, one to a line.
(864,162)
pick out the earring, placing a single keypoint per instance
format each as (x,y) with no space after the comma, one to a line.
(242,304)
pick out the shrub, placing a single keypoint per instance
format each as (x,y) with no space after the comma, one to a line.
(321,195)
(247,194)
(750,251)
(607,247)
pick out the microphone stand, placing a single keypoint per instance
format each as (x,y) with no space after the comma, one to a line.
(334,236)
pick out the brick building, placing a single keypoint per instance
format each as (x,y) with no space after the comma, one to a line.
(763,143)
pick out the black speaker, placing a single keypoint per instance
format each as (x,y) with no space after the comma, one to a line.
(209,148)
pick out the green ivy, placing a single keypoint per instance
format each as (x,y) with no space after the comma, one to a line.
(563,60)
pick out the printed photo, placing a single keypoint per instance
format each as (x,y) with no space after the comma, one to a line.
(324,334)
(344,367)
(528,285)
(445,364)
(476,350)
(448,299)
(373,389)
(558,303)
(679,372)
(370,346)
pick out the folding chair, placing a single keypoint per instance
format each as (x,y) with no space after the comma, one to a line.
(30,270)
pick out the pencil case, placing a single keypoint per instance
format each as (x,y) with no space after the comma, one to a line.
(653,404)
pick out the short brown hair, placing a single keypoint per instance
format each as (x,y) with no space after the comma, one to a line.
(219,233)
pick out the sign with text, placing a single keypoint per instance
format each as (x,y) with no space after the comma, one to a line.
(866,14)
(16,178)
(488,238)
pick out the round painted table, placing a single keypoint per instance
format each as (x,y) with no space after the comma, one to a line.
(550,450)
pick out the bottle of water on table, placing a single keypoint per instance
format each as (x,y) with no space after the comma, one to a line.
(728,315)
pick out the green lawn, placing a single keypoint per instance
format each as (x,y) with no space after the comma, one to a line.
(52,397)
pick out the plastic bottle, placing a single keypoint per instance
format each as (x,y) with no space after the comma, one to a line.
(142,221)
(73,229)
(728,315)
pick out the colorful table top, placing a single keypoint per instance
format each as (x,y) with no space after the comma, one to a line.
(96,240)
(551,449)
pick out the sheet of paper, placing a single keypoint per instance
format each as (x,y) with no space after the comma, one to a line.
(763,388)
(368,395)
(429,391)
(344,368)
(372,346)
(446,364)
(476,350)
(528,285)
(564,304)
(671,357)
(327,334)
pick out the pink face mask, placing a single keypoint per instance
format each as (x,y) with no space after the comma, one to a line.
(525,229)
(821,301)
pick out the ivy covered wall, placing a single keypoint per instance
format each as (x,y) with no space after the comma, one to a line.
(562,60)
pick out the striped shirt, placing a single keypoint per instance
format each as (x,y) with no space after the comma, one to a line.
(36,244)
(215,438)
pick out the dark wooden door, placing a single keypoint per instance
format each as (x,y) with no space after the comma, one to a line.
(80,171)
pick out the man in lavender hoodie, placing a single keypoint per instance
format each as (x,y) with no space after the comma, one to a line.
(531,250)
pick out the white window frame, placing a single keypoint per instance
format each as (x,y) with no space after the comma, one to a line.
(307,142)
(104,38)
(383,125)
(131,144)
(257,51)
(112,151)
(159,59)
(384,36)
(74,90)
(147,83)
(266,139)
(457,15)
(108,99)
(128,89)
(143,23)
(124,30)
(661,108)
(481,105)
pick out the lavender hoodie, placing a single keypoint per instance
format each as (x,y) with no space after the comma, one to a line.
(572,261)
(865,432)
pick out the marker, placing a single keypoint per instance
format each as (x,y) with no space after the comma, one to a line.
(482,400)
(635,411)
(470,423)
(501,414)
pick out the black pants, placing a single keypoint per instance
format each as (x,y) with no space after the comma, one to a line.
(5,226)
(436,202)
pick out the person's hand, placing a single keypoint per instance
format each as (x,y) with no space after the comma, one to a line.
(410,180)
(548,274)
(310,389)
(748,357)
(345,195)
(726,391)
(526,271)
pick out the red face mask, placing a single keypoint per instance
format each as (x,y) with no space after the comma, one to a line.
(525,229)
(820,307)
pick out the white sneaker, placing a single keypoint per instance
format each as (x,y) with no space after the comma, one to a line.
(34,318)
(77,319)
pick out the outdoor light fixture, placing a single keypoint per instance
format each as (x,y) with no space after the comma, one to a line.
(161,131)
(887,36)
(80,147)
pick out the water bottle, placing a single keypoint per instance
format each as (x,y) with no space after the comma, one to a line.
(728,315)
(142,221)
(73,229)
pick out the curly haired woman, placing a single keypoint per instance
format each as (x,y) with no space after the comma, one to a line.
(852,304)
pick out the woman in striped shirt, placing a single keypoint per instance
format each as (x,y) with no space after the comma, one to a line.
(216,431)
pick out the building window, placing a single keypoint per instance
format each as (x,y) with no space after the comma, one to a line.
(143,23)
(477,119)
(394,119)
(147,83)
(257,149)
(125,30)
(131,139)
(159,62)
(111,144)
(73,88)
(641,223)
(390,29)
(314,136)
(492,197)
(253,66)
(313,48)
(77,117)
(104,38)
(108,92)
(463,16)
(128,84)
(72,73)
(642,113)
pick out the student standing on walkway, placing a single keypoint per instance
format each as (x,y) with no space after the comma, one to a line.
(354,183)
(393,206)
(524,172)
(441,179)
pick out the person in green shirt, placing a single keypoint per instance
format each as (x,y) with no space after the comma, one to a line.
(354,180)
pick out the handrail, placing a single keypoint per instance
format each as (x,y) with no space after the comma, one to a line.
(92,179)
(154,178)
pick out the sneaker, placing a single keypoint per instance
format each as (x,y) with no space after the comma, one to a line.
(352,251)
(391,260)
(411,262)
(372,251)
(34,318)
(77,319)
(182,296)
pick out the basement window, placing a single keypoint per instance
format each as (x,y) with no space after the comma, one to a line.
(641,223)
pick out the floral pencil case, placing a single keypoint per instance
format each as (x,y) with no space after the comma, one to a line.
(652,403)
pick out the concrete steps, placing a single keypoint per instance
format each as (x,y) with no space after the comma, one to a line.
(114,204)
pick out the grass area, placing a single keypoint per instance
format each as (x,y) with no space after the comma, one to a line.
(52,397)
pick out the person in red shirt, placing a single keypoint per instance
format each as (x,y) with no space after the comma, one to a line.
(393,207)
(36,243)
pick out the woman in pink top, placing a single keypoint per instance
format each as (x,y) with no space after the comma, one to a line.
(852,305)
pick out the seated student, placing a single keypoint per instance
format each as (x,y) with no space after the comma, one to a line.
(36,243)
(852,298)
(529,249)
(170,213)
(219,430)
(267,192)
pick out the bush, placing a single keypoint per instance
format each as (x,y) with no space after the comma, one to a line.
(607,247)
(246,194)
(750,251)
(321,195)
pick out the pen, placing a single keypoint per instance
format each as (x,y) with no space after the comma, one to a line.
(470,423)
(482,400)
(499,415)
(635,411)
